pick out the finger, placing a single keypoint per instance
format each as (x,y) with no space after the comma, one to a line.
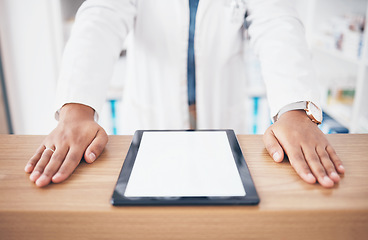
(34,159)
(336,160)
(52,167)
(299,164)
(41,164)
(328,164)
(71,161)
(316,166)
(273,146)
(96,147)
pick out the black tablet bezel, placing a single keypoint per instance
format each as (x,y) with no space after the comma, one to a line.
(118,198)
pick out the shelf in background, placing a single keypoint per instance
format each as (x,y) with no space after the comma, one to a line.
(340,112)
(339,55)
(362,126)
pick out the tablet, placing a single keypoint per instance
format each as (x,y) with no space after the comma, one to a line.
(184,167)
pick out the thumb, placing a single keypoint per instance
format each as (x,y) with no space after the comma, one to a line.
(273,146)
(96,147)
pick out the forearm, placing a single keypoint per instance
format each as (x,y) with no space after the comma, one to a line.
(92,50)
(278,37)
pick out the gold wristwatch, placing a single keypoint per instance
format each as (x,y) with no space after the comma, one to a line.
(311,109)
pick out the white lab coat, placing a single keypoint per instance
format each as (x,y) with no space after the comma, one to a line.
(155,90)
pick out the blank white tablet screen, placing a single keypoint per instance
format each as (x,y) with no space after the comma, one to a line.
(184,164)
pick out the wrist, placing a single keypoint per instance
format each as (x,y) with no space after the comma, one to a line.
(313,112)
(298,117)
(76,111)
(295,115)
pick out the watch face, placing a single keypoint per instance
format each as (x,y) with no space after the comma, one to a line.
(314,112)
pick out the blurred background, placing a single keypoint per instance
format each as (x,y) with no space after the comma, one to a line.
(33,34)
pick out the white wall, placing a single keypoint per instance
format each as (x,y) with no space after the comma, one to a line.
(30,63)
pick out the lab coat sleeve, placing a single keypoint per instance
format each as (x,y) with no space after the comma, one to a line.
(277,36)
(95,43)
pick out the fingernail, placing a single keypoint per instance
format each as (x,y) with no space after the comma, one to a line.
(310,177)
(341,168)
(28,167)
(92,157)
(334,175)
(40,179)
(56,176)
(276,157)
(33,177)
(327,180)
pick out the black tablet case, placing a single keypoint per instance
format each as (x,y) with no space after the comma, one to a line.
(118,198)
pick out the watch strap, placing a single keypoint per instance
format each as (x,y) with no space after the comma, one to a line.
(302,105)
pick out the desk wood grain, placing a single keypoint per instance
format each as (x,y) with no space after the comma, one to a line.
(79,208)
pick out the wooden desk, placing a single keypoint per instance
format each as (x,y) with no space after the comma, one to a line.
(79,208)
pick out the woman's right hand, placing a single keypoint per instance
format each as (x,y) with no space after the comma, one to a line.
(76,135)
